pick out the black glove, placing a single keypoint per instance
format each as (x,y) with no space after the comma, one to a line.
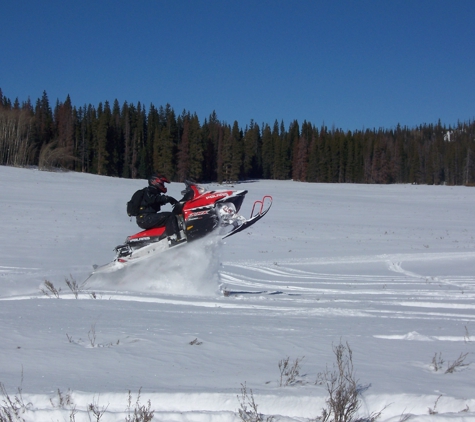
(172,200)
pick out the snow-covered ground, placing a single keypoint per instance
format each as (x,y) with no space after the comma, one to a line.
(388,270)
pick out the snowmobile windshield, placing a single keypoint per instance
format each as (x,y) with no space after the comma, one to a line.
(189,193)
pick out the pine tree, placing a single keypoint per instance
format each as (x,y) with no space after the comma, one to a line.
(284,169)
(183,163)
(220,159)
(211,131)
(116,142)
(127,134)
(252,162)
(44,123)
(143,155)
(196,149)
(300,151)
(267,152)
(225,155)
(313,157)
(237,152)
(101,141)
(165,143)
(324,153)
(278,154)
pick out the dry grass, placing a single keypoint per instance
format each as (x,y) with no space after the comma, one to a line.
(289,372)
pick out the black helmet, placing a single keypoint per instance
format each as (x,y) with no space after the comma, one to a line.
(158,181)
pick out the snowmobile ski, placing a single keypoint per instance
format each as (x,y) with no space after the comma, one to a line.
(255,217)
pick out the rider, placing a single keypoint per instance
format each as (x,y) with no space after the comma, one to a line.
(153,199)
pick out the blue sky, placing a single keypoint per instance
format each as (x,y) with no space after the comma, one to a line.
(352,64)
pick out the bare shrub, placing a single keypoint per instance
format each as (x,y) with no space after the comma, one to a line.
(62,400)
(65,401)
(96,411)
(457,363)
(49,289)
(342,386)
(248,408)
(52,156)
(434,411)
(404,417)
(70,339)
(466,336)
(437,362)
(12,408)
(74,286)
(92,335)
(289,372)
(141,413)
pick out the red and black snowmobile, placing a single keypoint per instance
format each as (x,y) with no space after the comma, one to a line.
(199,213)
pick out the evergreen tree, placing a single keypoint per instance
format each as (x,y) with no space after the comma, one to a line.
(64,120)
(277,161)
(324,152)
(183,164)
(286,139)
(44,123)
(101,141)
(220,159)
(127,134)
(143,154)
(225,155)
(196,149)
(313,157)
(252,163)
(210,134)
(116,142)
(237,152)
(164,143)
(267,153)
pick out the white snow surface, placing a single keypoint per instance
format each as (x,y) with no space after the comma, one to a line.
(388,270)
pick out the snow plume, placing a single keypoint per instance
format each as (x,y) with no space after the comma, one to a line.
(191,269)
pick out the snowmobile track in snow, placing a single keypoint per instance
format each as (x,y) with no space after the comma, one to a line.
(381,285)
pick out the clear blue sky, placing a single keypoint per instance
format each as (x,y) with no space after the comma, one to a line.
(352,64)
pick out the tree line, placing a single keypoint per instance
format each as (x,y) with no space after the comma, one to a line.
(132,142)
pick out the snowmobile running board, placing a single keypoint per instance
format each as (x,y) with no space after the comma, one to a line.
(258,211)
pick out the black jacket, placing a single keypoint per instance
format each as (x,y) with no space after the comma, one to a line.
(152,200)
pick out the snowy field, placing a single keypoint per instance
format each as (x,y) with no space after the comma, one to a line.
(387,270)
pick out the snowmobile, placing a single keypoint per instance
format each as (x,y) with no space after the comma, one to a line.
(199,213)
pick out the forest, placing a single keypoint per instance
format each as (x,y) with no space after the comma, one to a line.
(132,142)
